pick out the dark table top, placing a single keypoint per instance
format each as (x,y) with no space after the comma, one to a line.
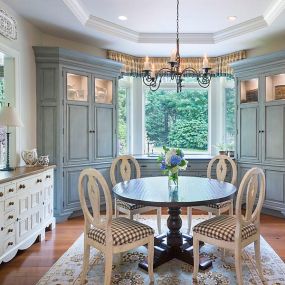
(192,191)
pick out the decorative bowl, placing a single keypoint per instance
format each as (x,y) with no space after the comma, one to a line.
(30,157)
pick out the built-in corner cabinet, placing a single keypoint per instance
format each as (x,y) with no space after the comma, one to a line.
(76,118)
(260,85)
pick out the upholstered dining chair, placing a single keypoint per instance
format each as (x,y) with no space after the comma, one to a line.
(125,164)
(221,172)
(236,232)
(108,235)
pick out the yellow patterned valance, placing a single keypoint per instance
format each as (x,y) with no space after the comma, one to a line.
(133,65)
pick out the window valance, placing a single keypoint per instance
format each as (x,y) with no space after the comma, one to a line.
(133,65)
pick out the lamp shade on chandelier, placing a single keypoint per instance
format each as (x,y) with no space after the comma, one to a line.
(153,79)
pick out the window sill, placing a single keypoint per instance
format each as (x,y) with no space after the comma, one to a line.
(187,157)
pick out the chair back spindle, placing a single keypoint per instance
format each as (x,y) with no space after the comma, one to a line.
(254,184)
(221,168)
(125,162)
(95,182)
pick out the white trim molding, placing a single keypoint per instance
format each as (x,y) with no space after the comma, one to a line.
(104,26)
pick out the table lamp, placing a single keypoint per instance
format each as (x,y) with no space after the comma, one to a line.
(9,118)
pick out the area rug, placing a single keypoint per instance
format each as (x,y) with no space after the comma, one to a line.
(67,270)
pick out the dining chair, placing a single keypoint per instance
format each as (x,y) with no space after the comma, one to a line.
(125,164)
(108,235)
(236,232)
(221,172)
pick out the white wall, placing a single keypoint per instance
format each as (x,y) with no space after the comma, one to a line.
(25,101)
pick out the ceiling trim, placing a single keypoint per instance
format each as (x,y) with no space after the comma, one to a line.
(104,26)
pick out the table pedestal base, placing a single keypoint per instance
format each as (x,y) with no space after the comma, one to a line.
(174,244)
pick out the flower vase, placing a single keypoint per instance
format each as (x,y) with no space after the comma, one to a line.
(173,180)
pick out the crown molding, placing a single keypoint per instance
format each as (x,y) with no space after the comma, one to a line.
(274,11)
(110,28)
(78,9)
(240,29)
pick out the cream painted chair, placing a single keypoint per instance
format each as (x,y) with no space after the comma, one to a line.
(236,232)
(221,172)
(109,236)
(124,163)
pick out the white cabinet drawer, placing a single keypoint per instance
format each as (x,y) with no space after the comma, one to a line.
(8,231)
(33,182)
(9,243)
(9,218)
(10,204)
(10,190)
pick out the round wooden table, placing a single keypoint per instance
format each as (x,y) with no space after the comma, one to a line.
(192,191)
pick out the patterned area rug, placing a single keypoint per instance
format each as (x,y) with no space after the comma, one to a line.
(67,269)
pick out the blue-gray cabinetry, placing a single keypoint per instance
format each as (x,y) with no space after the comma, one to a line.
(260,137)
(76,118)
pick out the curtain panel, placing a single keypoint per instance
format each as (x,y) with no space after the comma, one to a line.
(220,65)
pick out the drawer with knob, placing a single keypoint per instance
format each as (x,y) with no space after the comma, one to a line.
(10,204)
(9,243)
(10,190)
(8,231)
(9,218)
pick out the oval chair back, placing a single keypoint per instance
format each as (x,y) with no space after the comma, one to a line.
(92,180)
(221,168)
(125,163)
(252,192)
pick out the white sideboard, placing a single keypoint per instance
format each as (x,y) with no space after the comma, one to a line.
(26,208)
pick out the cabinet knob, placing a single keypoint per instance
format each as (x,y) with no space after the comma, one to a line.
(1,194)
(11,203)
(2,229)
(22,186)
(48,176)
(10,217)
(17,219)
(10,230)
(39,180)
(10,243)
(11,190)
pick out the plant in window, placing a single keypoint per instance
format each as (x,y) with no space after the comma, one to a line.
(171,161)
(222,148)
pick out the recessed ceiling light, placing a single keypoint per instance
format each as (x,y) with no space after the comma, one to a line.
(122,18)
(232,18)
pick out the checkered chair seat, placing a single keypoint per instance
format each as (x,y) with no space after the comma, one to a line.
(127,205)
(124,231)
(223,228)
(220,205)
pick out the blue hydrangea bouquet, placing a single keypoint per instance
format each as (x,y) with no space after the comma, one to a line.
(171,161)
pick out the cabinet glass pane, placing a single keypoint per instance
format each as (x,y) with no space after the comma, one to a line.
(249,90)
(77,87)
(275,87)
(103,91)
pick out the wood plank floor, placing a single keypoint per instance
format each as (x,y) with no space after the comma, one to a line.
(31,264)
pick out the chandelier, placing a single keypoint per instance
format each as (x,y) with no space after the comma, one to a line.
(174,71)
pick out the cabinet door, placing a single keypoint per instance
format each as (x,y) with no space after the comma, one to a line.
(78,124)
(105,117)
(274,196)
(248,133)
(71,176)
(273,135)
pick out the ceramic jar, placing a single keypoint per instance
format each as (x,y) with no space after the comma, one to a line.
(43,160)
(30,157)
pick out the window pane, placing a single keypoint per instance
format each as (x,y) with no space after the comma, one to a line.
(177,120)
(122,110)
(230,117)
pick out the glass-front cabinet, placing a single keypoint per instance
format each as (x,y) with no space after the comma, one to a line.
(103,91)
(275,87)
(249,90)
(77,87)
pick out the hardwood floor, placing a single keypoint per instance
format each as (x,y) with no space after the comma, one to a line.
(31,264)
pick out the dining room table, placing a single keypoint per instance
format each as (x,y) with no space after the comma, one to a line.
(190,191)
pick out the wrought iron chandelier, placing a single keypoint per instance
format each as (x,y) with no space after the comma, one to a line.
(153,79)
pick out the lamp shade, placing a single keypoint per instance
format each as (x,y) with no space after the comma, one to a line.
(9,117)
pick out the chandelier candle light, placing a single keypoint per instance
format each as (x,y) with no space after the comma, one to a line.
(153,79)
